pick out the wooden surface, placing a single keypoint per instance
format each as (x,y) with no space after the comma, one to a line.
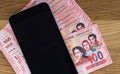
(106,13)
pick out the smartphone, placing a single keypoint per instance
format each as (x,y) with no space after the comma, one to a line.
(41,42)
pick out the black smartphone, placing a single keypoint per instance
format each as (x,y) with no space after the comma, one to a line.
(41,42)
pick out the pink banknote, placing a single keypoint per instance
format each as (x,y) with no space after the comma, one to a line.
(68,15)
(88,50)
(11,50)
(71,21)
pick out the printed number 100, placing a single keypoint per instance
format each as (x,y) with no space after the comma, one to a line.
(96,57)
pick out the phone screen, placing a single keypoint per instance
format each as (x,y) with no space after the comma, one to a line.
(41,42)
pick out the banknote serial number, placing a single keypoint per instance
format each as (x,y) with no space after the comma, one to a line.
(7,40)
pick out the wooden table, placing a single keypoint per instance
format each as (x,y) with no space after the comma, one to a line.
(106,13)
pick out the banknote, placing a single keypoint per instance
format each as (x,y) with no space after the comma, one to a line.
(11,50)
(88,50)
(68,14)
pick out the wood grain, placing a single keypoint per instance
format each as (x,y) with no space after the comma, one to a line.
(106,13)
